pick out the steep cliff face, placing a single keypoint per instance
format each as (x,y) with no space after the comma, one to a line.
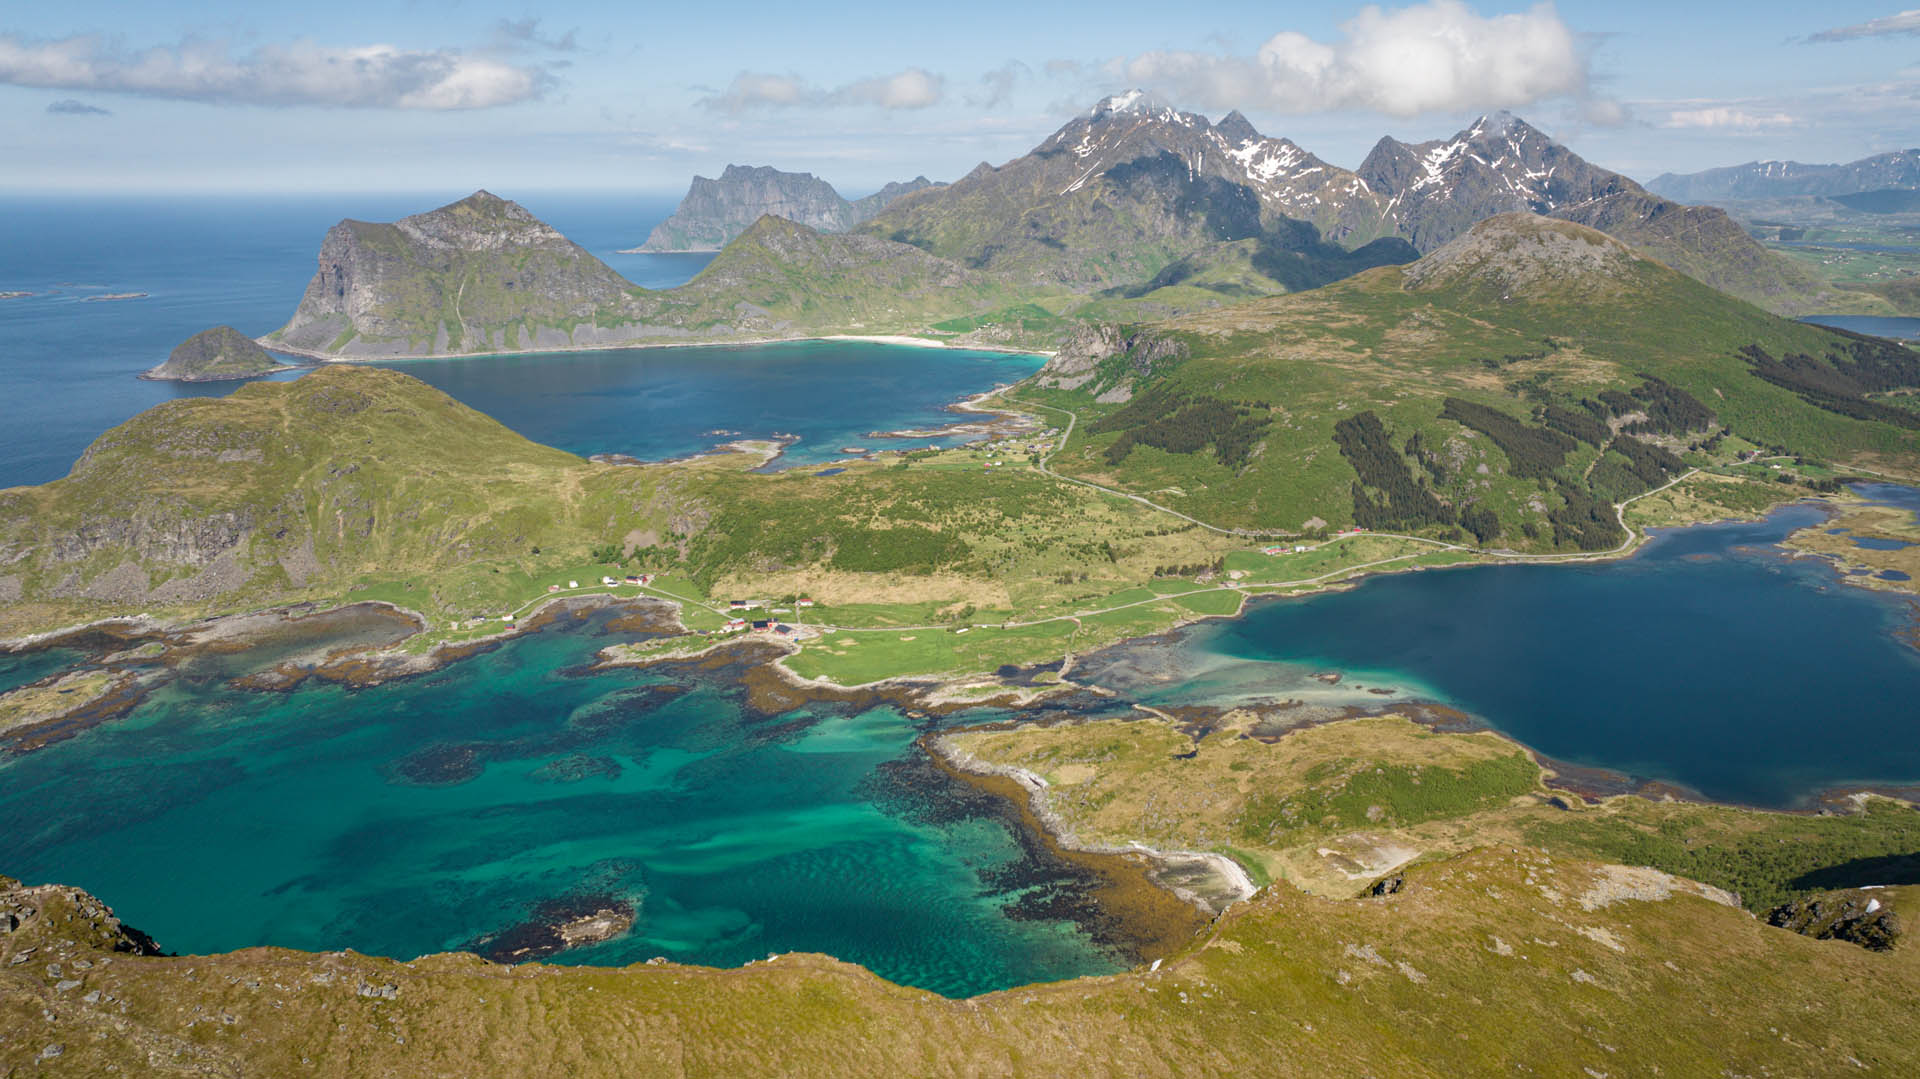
(485,276)
(213,356)
(716,211)
(479,275)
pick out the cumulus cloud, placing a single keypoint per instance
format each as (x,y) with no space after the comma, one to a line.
(70,107)
(914,88)
(1906,23)
(1435,56)
(1728,118)
(300,73)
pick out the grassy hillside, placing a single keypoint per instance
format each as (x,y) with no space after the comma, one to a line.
(1265,414)
(1331,809)
(1498,960)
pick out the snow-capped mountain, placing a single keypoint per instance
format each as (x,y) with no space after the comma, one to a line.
(1437,190)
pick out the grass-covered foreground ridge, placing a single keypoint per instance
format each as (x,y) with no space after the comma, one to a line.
(1511,954)
(1332,809)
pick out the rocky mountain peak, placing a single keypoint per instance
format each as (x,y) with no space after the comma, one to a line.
(1236,129)
(1526,256)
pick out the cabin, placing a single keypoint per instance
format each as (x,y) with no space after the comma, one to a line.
(606,580)
(1273,550)
(783,630)
(762,625)
(553,588)
(573,584)
(803,602)
(735,625)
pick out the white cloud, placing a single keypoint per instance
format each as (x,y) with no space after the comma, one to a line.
(914,88)
(999,83)
(300,73)
(1905,23)
(1435,56)
(1728,118)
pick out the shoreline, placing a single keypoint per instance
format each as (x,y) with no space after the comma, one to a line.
(903,340)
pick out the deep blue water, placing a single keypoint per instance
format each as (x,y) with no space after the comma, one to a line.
(67,366)
(1899,328)
(1709,660)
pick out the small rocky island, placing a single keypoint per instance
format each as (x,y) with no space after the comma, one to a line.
(216,355)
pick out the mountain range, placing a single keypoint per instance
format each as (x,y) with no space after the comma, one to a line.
(1131,211)
(1898,170)
(715,211)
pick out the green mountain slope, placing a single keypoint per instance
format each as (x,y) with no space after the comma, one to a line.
(1470,392)
(483,275)
(280,492)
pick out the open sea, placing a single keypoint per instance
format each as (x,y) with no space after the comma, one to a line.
(68,358)
(434,812)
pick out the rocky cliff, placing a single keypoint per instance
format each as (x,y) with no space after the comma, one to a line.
(478,275)
(215,355)
(485,276)
(715,211)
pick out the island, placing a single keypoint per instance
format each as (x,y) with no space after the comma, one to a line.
(216,355)
(1476,351)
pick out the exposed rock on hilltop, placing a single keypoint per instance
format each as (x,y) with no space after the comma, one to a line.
(216,355)
(715,211)
(1524,256)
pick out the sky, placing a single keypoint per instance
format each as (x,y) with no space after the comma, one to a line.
(405,95)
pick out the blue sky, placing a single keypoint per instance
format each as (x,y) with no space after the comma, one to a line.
(412,95)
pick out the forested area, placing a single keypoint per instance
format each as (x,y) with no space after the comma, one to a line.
(1171,421)
(1405,501)
(1840,386)
(1533,452)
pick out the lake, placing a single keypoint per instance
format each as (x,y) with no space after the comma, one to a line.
(1899,328)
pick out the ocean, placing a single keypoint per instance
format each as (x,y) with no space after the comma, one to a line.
(70,358)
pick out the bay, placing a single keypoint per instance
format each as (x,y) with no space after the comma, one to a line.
(1709,660)
(427,814)
(69,363)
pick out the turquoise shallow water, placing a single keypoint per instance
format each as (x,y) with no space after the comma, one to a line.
(418,816)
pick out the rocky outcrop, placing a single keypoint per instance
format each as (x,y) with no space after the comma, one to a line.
(216,355)
(1857,917)
(69,913)
(1522,256)
(715,211)
(1084,357)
